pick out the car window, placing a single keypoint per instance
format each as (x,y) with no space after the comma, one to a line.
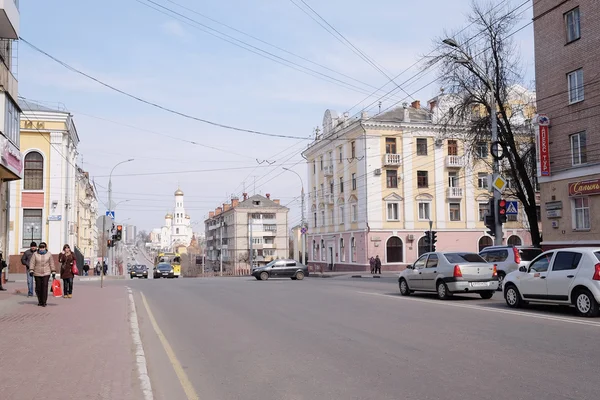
(502,255)
(529,254)
(485,255)
(597,254)
(541,264)
(458,258)
(432,261)
(420,263)
(291,264)
(566,260)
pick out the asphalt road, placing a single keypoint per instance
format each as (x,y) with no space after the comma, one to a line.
(344,338)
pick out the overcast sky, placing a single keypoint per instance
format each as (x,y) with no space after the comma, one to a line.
(171,61)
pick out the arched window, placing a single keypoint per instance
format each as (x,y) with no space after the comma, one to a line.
(394,250)
(484,242)
(322,250)
(34,171)
(422,247)
(353,249)
(177,231)
(514,240)
(314,248)
(342,250)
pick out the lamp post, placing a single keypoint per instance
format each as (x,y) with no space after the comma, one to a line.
(302,223)
(468,60)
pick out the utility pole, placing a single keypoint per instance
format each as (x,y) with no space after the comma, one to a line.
(221,249)
(104,242)
(251,255)
(302,231)
(495,166)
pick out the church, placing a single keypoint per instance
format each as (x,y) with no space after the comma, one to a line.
(177,229)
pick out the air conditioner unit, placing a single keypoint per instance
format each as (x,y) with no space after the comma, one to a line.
(378,172)
(439,142)
(410,238)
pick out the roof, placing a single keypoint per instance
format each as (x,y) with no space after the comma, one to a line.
(28,105)
(178,192)
(265,203)
(397,115)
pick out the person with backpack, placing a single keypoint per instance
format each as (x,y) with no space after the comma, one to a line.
(67,259)
(41,266)
(25,260)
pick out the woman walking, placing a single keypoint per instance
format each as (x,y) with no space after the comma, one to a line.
(66,259)
(40,267)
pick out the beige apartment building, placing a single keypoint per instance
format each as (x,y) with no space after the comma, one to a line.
(86,214)
(255,228)
(566,65)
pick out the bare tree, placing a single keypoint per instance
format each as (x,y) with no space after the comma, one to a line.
(476,65)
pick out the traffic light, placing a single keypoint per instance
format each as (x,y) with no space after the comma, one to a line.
(119,232)
(427,238)
(433,240)
(502,217)
(490,220)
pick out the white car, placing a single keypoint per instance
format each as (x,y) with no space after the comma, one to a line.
(569,276)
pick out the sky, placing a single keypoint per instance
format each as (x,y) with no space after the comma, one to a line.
(171,60)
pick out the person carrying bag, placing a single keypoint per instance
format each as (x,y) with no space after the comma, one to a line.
(67,267)
(41,266)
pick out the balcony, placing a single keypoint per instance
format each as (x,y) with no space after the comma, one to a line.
(328,170)
(9,19)
(392,160)
(454,193)
(329,199)
(269,246)
(455,161)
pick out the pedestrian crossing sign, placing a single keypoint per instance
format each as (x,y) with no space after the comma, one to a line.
(512,208)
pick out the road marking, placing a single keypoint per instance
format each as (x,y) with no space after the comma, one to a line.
(480,308)
(183,378)
(140,356)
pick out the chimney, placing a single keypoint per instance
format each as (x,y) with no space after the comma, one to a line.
(364,115)
(218,211)
(211,214)
(277,201)
(406,117)
(226,207)
(432,105)
(416,104)
(245,196)
(234,202)
(268,195)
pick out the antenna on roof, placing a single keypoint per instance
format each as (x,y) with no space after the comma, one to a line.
(379,108)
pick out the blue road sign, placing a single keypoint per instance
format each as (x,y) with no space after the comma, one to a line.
(110,214)
(512,208)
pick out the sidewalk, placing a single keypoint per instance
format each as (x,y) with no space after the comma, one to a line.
(20,278)
(77,348)
(385,274)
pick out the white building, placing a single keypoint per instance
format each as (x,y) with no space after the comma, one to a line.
(177,229)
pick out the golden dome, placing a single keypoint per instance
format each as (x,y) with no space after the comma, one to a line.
(178,192)
(168,216)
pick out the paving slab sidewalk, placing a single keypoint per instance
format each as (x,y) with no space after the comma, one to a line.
(78,348)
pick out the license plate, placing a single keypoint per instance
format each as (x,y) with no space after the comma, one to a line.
(165,273)
(480,284)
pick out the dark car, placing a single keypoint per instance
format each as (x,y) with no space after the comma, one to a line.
(281,269)
(140,271)
(163,270)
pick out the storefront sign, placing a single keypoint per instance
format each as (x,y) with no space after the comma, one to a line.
(584,187)
(12,159)
(544,142)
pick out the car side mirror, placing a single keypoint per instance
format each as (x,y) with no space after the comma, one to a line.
(523,269)
(410,267)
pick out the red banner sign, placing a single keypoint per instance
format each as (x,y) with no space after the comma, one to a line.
(544,151)
(584,187)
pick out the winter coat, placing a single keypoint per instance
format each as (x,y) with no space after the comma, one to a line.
(66,265)
(26,258)
(377,263)
(42,264)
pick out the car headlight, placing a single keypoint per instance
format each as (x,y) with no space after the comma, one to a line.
(172,270)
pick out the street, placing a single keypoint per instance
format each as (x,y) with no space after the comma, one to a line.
(345,338)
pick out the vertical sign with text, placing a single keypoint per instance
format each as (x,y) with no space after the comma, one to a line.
(544,143)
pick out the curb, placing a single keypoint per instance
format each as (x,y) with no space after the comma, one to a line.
(140,356)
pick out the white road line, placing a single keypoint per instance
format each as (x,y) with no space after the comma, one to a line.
(139,350)
(486,309)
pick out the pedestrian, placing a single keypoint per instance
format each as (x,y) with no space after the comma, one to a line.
(86,269)
(97,270)
(377,265)
(2,266)
(41,266)
(372,263)
(25,260)
(105,267)
(66,259)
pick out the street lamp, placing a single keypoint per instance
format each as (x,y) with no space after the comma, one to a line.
(468,60)
(302,223)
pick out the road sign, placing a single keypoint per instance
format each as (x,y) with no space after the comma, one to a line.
(512,208)
(499,183)
(110,214)
(304,230)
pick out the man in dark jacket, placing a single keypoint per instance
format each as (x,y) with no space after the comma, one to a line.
(377,265)
(2,266)
(25,259)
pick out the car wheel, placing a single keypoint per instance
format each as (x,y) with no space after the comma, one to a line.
(501,276)
(586,304)
(442,291)
(513,297)
(264,276)
(404,290)
(299,275)
(486,295)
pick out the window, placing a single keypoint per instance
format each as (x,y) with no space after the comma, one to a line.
(482,180)
(323,218)
(353,181)
(394,250)
(353,149)
(341,154)
(177,231)
(454,211)
(432,261)
(315,220)
(342,250)
(582,213)
(572,25)
(422,246)
(323,255)
(514,240)
(424,211)
(322,189)
(422,147)
(270,228)
(481,150)
(483,211)
(341,215)
(512,217)
(34,171)
(391,178)
(354,209)
(420,263)
(353,249)
(422,179)
(390,145)
(341,185)
(566,260)
(541,264)
(314,167)
(575,85)
(578,148)
(11,124)
(392,212)
(331,217)
(452,148)
(314,250)
(484,242)
(453,179)
(32,226)
(321,163)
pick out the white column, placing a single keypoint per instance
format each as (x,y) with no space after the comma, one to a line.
(470,210)
(440,186)
(373,188)
(408,180)
(54,191)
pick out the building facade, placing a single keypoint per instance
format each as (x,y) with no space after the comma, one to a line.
(177,230)
(86,216)
(130,234)
(11,158)
(44,203)
(376,185)
(566,66)
(252,230)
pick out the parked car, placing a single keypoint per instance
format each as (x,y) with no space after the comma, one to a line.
(569,276)
(139,271)
(509,258)
(163,270)
(286,268)
(449,272)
